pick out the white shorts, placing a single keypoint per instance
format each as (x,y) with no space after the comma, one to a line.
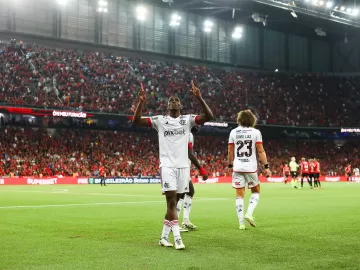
(175,179)
(239,180)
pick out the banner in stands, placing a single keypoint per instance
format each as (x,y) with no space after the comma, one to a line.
(275,179)
(126,180)
(139,180)
(44,181)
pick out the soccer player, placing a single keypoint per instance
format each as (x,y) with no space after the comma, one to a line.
(312,165)
(293,171)
(102,174)
(348,172)
(356,172)
(173,132)
(243,141)
(304,172)
(317,173)
(286,172)
(186,198)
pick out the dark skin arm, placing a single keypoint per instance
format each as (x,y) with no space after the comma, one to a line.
(138,119)
(207,114)
(195,162)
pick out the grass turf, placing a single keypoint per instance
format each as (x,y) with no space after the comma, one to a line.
(118,227)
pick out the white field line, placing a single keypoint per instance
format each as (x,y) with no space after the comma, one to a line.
(74,204)
(89,204)
(102,194)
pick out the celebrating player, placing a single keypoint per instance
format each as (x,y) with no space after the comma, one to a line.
(173,132)
(317,173)
(304,172)
(293,171)
(242,158)
(186,198)
(286,172)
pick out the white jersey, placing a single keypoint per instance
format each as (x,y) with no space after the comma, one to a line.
(173,136)
(245,140)
(356,172)
(191,144)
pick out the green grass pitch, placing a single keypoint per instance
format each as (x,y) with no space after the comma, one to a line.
(118,227)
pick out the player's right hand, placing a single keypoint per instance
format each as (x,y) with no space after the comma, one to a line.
(267,172)
(205,177)
(142,93)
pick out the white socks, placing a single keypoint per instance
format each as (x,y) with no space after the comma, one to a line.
(187,207)
(254,199)
(240,210)
(178,207)
(175,229)
(166,229)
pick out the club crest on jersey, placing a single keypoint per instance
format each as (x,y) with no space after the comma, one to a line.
(182,122)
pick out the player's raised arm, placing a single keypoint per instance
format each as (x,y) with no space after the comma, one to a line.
(196,163)
(207,113)
(138,119)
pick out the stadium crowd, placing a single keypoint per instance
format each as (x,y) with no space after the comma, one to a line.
(73,152)
(100,81)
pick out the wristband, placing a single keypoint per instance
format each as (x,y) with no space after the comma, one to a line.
(266,166)
(230,166)
(202,171)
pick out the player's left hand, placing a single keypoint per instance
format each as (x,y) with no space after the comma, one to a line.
(267,172)
(194,90)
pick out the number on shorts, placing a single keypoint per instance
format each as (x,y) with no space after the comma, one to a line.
(241,144)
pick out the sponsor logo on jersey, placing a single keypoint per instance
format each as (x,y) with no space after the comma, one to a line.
(174,132)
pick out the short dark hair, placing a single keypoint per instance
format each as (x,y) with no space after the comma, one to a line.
(246,118)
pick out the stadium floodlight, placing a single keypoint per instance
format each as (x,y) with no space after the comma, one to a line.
(102,6)
(62,2)
(307,1)
(329,4)
(342,8)
(349,10)
(276,70)
(141,13)
(315,2)
(207,26)
(175,20)
(355,12)
(321,2)
(237,32)
(102,3)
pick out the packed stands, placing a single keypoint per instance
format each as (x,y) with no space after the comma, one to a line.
(35,152)
(99,81)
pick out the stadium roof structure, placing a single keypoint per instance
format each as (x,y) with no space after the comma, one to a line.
(337,18)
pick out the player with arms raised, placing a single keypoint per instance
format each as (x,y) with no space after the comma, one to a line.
(173,132)
(243,141)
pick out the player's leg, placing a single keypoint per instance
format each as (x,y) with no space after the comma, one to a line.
(168,181)
(182,185)
(309,179)
(254,185)
(187,207)
(318,180)
(302,181)
(180,203)
(238,182)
